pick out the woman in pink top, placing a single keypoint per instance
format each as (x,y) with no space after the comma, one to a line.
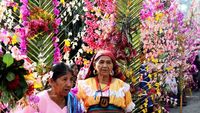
(58,99)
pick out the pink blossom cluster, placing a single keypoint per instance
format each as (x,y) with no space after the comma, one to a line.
(159,31)
(99,21)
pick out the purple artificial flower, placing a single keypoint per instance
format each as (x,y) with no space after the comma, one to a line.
(56,11)
(25,12)
(34,99)
(1,51)
(23,47)
(58,21)
(55,3)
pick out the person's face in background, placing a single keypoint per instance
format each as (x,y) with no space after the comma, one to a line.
(75,70)
(103,65)
(62,85)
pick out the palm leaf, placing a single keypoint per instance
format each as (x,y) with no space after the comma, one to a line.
(128,21)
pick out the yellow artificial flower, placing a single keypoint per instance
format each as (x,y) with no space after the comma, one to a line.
(150,76)
(147,68)
(161,30)
(98,12)
(157,85)
(37,84)
(62,1)
(149,85)
(20,16)
(144,110)
(145,103)
(159,111)
(67,42)
(15,8)
(154,60)
(169,68)
(86,62)
(91,52)
(14,39)
(133,79)
(29,77)
(159,16)
(129,72)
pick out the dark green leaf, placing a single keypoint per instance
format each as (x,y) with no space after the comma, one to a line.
(10,76)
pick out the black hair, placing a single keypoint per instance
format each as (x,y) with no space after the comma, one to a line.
(74,64)
(60,69)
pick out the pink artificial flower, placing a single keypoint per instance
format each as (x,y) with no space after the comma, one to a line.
(56,11)
(24,1)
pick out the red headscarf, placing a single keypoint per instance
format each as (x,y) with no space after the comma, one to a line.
(117,73)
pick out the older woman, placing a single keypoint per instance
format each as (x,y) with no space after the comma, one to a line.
(103,89)
(58,99)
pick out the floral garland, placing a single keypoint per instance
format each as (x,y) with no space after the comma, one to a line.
(161,23)
(100,29)
(14,70)
(99,21)
(57,54)
(159,26)
(39,21)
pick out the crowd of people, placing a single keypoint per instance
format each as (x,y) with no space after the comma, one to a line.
(99,88)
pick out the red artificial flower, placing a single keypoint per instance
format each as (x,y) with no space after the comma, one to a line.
(30,89)
(14,83)
(66,49)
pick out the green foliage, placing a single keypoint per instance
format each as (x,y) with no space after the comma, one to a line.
(128,22)
(10,76)
(8,59)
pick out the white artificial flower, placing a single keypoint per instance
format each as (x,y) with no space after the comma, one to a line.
(70,13)
(69,9)
(66,56)
(85,9)
(70,33)
(80,50)
(75,7)
(64,14)
(76,38)
(74,21)
(73,46)
(72,3)
(98,32)
(79,4)
(82,34)
(65,19)
(77,17)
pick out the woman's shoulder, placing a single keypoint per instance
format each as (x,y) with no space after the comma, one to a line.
(119,81)
(43,93)
(43,96)
(120,84)
(88,80)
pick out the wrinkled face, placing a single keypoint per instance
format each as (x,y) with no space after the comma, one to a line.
(103,65)
(63,84)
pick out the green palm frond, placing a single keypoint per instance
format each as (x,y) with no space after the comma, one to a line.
(128,22)
(40,48)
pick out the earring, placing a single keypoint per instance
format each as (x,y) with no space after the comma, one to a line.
(112,73)
(94,72)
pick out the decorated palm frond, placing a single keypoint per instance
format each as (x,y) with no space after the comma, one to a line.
(42,24)
(128,22)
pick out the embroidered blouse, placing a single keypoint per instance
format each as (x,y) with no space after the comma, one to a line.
(118,92)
